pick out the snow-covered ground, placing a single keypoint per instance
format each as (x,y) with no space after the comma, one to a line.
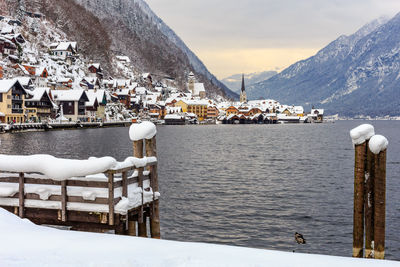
(26,244)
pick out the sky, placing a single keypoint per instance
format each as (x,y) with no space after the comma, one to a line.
(246,36)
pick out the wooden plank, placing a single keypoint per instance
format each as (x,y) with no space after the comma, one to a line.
(21,195)
(100,201)
(111,199)
(125,184)
(64,201)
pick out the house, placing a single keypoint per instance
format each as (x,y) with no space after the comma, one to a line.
(12,97)
(198,107)
(318,115)
(64,83)
(90,83)
(41,75)
(1,72)
(72,102)
(7,47)
(63,50)
(124,97)
(101,100)
(212,112)
(231,111)
(91,107)
(38,105)
(95,70)
(26,82)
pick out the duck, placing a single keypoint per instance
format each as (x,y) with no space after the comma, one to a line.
(299,238)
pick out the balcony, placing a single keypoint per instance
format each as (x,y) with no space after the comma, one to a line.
(17,110)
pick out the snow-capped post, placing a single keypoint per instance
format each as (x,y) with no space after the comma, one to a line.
(151,151)
(378,146)
(360,137)
(137,133)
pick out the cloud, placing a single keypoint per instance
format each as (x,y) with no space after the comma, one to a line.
(267,24)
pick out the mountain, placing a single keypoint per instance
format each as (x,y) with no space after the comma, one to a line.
(234,82)
(125,27)
(354,75)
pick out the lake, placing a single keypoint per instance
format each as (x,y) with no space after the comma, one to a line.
(246,185)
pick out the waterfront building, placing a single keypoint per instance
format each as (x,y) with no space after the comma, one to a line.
(72,102)
(38,105)
(12,98)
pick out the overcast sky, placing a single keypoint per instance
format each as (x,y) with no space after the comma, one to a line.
(255,35)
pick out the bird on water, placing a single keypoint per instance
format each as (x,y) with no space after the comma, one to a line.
(299,238)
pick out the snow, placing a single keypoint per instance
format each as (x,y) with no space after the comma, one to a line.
(67,95)
(54,168)
(378,143)
(45,246)
(362,133)
(144,130)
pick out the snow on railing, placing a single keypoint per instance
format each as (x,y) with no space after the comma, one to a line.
(94,186)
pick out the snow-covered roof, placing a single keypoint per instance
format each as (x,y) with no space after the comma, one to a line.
(64,80)
(24,81)
(95,65)
(198,88)
(317,111)
(37,93)
(92,99)
(62,46)
(123,58)
(122,92)
(68,95)
(173,117)
(6,85)
(140,90)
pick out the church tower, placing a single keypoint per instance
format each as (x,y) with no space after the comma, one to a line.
(191,82)
(243,95)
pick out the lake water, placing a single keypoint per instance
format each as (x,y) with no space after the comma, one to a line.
(246,185)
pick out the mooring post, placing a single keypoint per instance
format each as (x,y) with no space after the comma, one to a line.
(380,205)
(138,153)
(358,215)
(369,205)
(151,151)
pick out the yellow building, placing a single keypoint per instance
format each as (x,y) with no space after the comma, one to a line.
(198,107)
(12,101)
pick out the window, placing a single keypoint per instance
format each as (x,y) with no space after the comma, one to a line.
(8,96)
(1,97)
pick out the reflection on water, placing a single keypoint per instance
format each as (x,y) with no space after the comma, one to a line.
(246,185)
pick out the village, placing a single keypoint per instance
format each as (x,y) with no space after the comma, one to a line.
(45,80)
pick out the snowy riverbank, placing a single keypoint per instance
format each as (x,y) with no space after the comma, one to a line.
(26,244)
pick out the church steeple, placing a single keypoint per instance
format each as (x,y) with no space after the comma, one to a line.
(243,95)
(243,86)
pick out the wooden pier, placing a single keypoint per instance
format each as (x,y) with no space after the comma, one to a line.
(91,203)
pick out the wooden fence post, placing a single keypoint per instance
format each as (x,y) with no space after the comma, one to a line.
(21,196)
(151,151)
(138,153)
(358,215)
(380,205)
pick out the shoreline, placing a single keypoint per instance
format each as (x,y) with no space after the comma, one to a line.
(44,127)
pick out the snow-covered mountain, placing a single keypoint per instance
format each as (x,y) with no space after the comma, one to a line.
(234,82)
(354,75)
